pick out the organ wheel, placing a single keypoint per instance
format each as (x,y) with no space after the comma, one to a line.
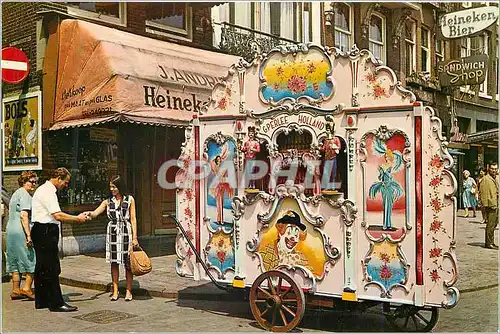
(277,302)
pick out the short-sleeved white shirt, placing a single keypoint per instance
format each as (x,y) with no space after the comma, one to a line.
(45,203)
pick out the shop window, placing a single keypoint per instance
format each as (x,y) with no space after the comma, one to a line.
(172,19)
(111,12)
(377,36)
(425,52)
(343,26)
(411,52)
(485,125)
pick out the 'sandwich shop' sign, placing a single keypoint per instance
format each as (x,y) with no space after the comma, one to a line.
(466,71)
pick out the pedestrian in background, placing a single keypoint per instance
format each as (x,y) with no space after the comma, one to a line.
(121,234)
(469,194)
(482,173)
(45,233)
(489,200)
(19,251)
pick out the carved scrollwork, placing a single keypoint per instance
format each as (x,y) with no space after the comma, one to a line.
(454,296)
(398,29)
(348,212)
(384,133)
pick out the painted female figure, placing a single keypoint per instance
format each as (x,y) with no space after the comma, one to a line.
(387,186)
(222,186)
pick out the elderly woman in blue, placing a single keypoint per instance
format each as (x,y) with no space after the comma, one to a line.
(20,252)
(469,194)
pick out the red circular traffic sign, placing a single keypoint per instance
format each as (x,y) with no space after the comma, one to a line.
(15,65)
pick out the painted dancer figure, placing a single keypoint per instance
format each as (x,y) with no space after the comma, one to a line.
(222,187)
(387,186)
(250,149)
(331,148)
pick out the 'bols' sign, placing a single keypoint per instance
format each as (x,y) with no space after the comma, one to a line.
(466,71)
(467,22)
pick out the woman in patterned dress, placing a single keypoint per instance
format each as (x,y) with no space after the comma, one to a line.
(469,194)
(19,251)
(121,234)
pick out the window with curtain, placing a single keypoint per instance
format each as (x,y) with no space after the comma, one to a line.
(483,48)
(376,36)
(411,51)
(425,52)
(465,51)
(343,29)
(173,18)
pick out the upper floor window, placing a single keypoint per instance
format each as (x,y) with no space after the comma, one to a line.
(467,4)
(307,22)
(483,48)
(426,54)
(169,18)
(410,41)
(377,36)
(343,26)
(111,12)
(440,46)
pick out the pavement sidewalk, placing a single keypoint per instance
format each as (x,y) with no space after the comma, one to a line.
(478,270)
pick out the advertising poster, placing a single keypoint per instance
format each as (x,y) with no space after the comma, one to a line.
(22,129)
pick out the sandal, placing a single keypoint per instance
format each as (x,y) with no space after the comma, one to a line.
(114,298)
(128,297)
(16,295)
(28,294)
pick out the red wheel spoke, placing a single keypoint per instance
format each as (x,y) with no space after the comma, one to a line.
(271,286)
(288,310)
(265,311)
(283,317)
(286,292)
(279,285)
(264,291)
(289,300)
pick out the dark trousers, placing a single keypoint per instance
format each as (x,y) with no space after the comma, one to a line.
(491,224)
(47,269)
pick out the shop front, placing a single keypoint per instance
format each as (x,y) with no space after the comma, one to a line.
(117,103)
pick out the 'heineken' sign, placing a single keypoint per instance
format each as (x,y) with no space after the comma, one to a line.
(466,71)
(467,22)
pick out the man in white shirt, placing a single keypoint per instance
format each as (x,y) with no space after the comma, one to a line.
(46,215)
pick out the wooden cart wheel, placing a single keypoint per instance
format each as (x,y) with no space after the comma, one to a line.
(408,318)
(277,302)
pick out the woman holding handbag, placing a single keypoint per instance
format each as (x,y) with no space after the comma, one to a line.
(121,234)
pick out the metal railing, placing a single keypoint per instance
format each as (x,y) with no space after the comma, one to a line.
(245,42)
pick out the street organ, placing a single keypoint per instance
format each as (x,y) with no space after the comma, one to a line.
(313,174)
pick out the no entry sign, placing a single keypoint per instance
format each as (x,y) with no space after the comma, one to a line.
(15,65)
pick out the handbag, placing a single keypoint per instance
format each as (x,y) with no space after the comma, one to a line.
(140,264)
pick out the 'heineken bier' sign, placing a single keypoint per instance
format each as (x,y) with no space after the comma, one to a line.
(466,71)
(467,22)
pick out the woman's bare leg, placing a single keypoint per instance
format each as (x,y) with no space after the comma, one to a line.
(115,275)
